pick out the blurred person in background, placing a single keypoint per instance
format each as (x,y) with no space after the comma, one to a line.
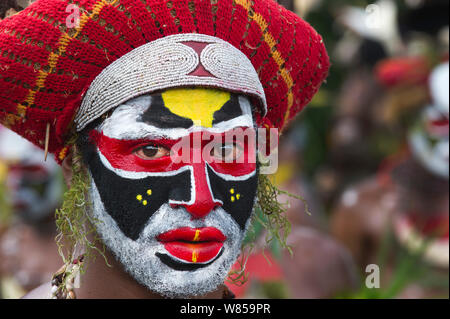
(385,74)
(409,198)
(319,267)
(423,178)
(369,122)
(28,253)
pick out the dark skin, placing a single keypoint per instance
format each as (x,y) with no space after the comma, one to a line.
(101,281)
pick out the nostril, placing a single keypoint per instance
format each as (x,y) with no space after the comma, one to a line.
(198,210)
(201,209)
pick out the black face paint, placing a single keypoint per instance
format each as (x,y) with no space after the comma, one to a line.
(131,202)
(182,266)
(238,197)
(229,110)
(160,116)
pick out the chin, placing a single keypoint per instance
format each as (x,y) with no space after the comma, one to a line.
(149,262)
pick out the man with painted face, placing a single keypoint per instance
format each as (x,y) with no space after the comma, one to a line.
(161,100)
(176,224)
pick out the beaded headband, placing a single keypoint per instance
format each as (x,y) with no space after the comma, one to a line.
(174,61)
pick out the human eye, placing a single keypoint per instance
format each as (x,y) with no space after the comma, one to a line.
(226,152)
(151,152)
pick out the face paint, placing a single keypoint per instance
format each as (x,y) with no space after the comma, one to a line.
(199,107)
(163,216)
(429,141)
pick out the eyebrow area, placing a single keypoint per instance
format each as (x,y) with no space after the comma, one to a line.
(160,116)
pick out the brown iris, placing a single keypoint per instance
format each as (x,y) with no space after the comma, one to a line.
(227,152)
(150,152)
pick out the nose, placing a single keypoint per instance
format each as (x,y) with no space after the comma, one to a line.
(204,202)
(202,206)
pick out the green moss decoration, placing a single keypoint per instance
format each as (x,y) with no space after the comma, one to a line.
(271,215)
(275,220)
(76,227)
(238,276)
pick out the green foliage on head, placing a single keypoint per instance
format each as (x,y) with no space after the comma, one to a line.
(75,225)
(269,215)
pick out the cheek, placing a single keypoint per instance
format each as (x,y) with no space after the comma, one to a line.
(131,202)
(238,196)
(121,154)
(239,168)
(244,163)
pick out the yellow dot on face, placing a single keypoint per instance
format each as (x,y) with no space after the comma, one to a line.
(149,192)
(139,197)
(238,196)
(232,191)
(232,198)
(144,203)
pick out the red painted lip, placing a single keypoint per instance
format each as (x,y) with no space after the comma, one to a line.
(193,245)
(193,235)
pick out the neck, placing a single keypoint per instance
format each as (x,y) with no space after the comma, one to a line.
(101,281)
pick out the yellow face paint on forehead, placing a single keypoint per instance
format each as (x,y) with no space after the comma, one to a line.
(197,104)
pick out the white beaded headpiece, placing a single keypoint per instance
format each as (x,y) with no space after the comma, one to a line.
(170,62)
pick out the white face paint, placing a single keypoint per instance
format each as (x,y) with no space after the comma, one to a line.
(139,255)
(430,143)
(124,122)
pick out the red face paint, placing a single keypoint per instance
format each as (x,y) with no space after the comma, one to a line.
(121,154)
(200,245)
(439,127)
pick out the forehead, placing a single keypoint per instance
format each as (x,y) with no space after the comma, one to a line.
(176,112)
(198,105)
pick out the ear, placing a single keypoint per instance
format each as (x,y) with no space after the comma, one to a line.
(67,169)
